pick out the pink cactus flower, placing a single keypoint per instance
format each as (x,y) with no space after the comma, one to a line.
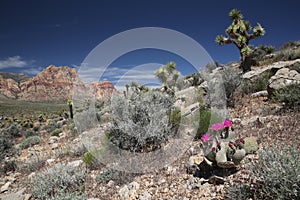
(216,127)
(205,137)
(213,149)
(227,123)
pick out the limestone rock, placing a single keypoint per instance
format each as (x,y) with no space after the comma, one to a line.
(5,187)
(272,68)
(284,77)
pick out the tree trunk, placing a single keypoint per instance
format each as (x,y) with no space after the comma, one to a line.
(246,62)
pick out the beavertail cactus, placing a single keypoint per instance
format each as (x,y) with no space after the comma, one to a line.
(238,156)
(221,154)
(211,156)
(250,145)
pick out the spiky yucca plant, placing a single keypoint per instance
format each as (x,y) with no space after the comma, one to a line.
(239,33)
(70,104)
(168,75)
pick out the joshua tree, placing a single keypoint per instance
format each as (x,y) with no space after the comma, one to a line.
(127,88)
(70,104)
(239,34)
(168,75)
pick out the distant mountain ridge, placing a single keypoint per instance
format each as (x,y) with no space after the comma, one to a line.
(55,83)
(16,77)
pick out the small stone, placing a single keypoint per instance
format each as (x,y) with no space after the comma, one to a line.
(62,134)
(54,146)
(50,161)
(75,163)
(166,190)
(110,183)
(195,160)
(216,180)
(5,187)
(53,139)
(263,93)
(27,196)
(124,193)
(31,175)
(145,196)
(161,181)
(134,186)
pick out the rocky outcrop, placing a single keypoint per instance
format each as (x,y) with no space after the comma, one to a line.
(271,69)
(102,90)
(284,77)
(9,88)
(52,84)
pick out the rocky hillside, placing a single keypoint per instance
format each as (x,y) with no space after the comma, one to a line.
(52,84)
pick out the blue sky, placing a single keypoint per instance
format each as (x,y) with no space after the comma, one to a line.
(37,33)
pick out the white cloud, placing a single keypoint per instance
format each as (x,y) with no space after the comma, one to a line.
(142,74)
(12,62)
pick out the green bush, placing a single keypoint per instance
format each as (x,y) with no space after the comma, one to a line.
(30,141)
(289,95)
(56,132)
(30,133)
(259,84)
(175,119)
(8,166)
(69,196)
(14,130)
(60,179)
(204,121)
(276,175)
(89,159)
(6,144)
(107,175)
(232,80)
(51,126)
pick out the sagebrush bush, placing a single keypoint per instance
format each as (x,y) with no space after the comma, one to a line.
(30,141)
(60,179)
(107,175)
(56,132)
(141,120)
(259,84)
(289,95)
(276,175)
(29,133)
(14,130)
(69,196)
(232,80)
(6,144)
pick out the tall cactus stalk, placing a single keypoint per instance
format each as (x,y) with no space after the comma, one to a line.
(239,34)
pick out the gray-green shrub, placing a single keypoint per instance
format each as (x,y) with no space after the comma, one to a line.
(6,144)
(107,175)
(30,141)
(276,175)
(141,120)
(289,95)
(62,178)
(232,80)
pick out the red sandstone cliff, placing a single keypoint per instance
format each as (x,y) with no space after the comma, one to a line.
(52,84)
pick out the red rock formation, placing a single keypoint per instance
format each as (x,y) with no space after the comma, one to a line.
(52,84)
(9,88)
